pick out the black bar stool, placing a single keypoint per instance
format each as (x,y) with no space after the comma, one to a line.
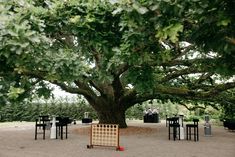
(175,126)
(194,127)
(41,122)
(62,122)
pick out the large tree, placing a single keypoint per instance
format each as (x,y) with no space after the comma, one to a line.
(119,53)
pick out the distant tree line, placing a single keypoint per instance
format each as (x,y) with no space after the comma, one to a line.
(29,111)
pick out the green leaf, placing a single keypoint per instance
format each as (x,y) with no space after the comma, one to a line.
(117,11)
(171,32)
(18,51)
(13,33)
(141,10)
(224,22)
(24,45)
(75,19)
(14,93)
(35,39)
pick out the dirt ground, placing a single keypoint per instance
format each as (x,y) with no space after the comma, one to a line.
(139,140)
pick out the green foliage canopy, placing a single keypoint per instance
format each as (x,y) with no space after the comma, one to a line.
(119,53)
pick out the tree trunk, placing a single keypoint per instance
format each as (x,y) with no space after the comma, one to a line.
(109,111)
(112,116)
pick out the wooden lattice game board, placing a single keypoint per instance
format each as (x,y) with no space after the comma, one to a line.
(104,135)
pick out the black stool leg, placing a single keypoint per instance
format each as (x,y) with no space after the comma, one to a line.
(61,132)
(36,132)
(66,131)
(190,133)
(194,133)
(169,132)
(186,132)
(56,132)
(44,131)
(197,134)
(179,132)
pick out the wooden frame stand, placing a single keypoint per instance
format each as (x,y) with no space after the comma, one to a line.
(104,135)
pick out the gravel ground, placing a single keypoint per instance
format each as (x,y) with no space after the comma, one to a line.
(138,140)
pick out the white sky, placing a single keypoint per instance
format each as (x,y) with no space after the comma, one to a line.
(58,93)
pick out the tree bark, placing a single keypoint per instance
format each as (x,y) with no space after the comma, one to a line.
(112,116)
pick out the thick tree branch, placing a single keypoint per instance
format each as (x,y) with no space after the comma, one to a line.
(117,87)
(175,74)
(121,69)
(67,88)
(204,77)
(97,87)
(190,62)
(181,51)
(180,92)
(194,94)
(220,88)
(41,75)
(231,40)
(192,108)
(97,57)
